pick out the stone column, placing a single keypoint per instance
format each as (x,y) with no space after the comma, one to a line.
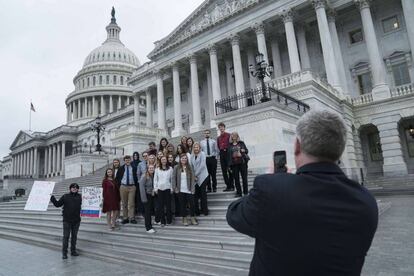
(85,108)
(178,122)
(49,161)
(111,104)
(229,79)
(30,167)
(94,107)
(54,161)
(79,108)
(261,43)
(237,63)
(277,61)
(287,17)
(68,113)
(75,111)
(380,89)
(24,167)
(303,47)
(136,111)
(128,100)
(408,9)
(149,107)
(35,163)
(63,154)
(326,42)
(20,164)
(46,163)
(215,76)
(58,158)
(251,61)
(392,151)
(160,102)
(103,106)
(119,102)
(195,96)
(337,51)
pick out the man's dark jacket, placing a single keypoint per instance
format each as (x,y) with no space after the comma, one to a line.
(71,203)
(314,222)
(120,175)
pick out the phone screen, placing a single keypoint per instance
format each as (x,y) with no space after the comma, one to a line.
(279,159)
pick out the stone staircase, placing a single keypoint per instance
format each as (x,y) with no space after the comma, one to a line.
(384,186)
(211,248)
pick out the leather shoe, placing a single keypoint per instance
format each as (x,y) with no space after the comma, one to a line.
(74,254)
(133,221)
(125,221)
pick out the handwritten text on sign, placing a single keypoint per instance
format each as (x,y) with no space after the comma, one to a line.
(91,202)
(39,196)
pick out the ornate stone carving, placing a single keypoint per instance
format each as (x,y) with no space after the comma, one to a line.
(318,4)
(212,49)
(234,39)
(362,4)
(258,28)
(331,14)
(287,15)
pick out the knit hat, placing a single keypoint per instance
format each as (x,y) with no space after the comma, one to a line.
(74,185)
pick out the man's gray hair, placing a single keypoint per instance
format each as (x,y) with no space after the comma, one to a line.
(322,134)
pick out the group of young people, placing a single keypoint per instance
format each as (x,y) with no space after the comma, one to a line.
(173,181)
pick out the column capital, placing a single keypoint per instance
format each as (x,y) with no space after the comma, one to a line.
(258,27)
(318,4)
(212,49)
(158,73)
(287,15)
(331,14)
(173,64)
(362,4)
(234,39)
(192,58)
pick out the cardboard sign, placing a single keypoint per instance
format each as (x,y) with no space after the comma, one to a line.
(91,202)
(39,197)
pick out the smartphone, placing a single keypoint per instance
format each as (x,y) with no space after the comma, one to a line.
(279,159)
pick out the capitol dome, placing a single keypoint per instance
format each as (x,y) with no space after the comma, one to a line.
(101,86)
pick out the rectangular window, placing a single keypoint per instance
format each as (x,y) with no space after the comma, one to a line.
(365,83)
(114,80)
(183,97)
(154,107)
(375,146)
(401,74)
(122,80)
(107,79)
(356,36)
(169,101)
(100,79)
(390,24)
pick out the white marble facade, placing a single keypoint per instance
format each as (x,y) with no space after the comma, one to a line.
(351,56)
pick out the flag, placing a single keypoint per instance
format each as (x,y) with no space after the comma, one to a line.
(32,107)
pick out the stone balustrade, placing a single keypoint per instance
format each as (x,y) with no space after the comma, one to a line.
(402,90)
(363,99)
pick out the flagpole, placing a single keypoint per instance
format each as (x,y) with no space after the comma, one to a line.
(30,116)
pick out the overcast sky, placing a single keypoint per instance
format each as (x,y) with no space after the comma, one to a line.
(43,44)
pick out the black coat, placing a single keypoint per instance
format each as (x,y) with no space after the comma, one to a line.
(120,175)
(314,222)
(232,148)
(71,203)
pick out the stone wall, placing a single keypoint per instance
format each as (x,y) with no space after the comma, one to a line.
(84,163)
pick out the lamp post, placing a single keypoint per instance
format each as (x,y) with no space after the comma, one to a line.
(261,70)
(98,127)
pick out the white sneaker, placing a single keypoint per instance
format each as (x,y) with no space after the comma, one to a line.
(151,231)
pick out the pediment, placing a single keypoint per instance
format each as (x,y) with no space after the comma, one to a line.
(210,13)
(21,138)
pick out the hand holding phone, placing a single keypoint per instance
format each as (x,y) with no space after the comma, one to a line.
(279,161)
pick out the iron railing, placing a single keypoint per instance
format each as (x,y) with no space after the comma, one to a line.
(258,96)
(92,149)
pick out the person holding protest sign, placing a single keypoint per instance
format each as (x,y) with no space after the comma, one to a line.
(71,203)
(111,198)
(146,186)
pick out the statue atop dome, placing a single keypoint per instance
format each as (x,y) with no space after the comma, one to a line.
(113,19)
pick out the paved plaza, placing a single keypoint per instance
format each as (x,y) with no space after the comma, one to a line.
(391,254)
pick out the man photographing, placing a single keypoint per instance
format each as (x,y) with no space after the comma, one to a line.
(314,222)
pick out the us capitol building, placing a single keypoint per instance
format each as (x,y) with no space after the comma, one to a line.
(350,56)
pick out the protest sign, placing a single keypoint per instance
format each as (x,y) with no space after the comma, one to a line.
(91,202)
(39,197)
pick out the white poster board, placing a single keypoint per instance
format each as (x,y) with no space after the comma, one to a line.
(39,197)
(91,202)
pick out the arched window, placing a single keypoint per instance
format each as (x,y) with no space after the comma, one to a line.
(100,80)
(88,82)
(114,81)
(83,83)
(119,55)
(107,79)
(114,55)
(122,80)
(94,80)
